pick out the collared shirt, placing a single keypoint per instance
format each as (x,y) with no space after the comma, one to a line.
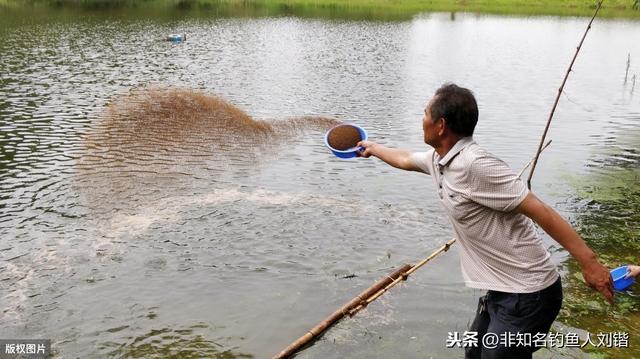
(500,248)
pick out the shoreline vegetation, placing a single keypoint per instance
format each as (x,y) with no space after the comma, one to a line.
(353,9)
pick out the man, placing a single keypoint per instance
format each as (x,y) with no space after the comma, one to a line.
(491,211)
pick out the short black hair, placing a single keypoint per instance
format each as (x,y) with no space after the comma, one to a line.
(457,106)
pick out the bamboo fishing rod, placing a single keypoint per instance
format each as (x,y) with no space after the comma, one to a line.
(555,104)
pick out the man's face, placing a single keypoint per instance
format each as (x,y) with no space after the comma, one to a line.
(430,127)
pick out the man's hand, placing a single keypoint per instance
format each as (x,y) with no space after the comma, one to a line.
(633,271)
(598,278)
(367,146)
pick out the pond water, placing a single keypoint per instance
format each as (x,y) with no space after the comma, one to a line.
(137,218)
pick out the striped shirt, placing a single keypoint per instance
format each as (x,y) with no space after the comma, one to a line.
(500,248)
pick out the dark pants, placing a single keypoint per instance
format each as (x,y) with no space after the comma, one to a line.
(512,313)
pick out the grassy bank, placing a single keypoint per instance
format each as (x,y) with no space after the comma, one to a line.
(382,9)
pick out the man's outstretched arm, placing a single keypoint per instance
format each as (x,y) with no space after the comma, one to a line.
(398,158)
(595,274)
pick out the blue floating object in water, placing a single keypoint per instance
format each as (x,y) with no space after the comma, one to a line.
(348,153)
(619,281)
(176,38)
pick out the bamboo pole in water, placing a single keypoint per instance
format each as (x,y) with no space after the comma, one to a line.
(316,331)
(443,248)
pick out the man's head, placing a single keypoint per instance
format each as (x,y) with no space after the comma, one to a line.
(452,111)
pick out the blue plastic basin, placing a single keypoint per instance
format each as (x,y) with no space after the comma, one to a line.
(619,281)
(348,153)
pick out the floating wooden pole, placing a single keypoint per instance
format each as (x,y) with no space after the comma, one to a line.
(316,331)
(443,248)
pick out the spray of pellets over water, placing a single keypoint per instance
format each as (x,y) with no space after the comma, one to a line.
(165,137)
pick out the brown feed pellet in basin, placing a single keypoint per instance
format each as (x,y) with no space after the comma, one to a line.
(344,137)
